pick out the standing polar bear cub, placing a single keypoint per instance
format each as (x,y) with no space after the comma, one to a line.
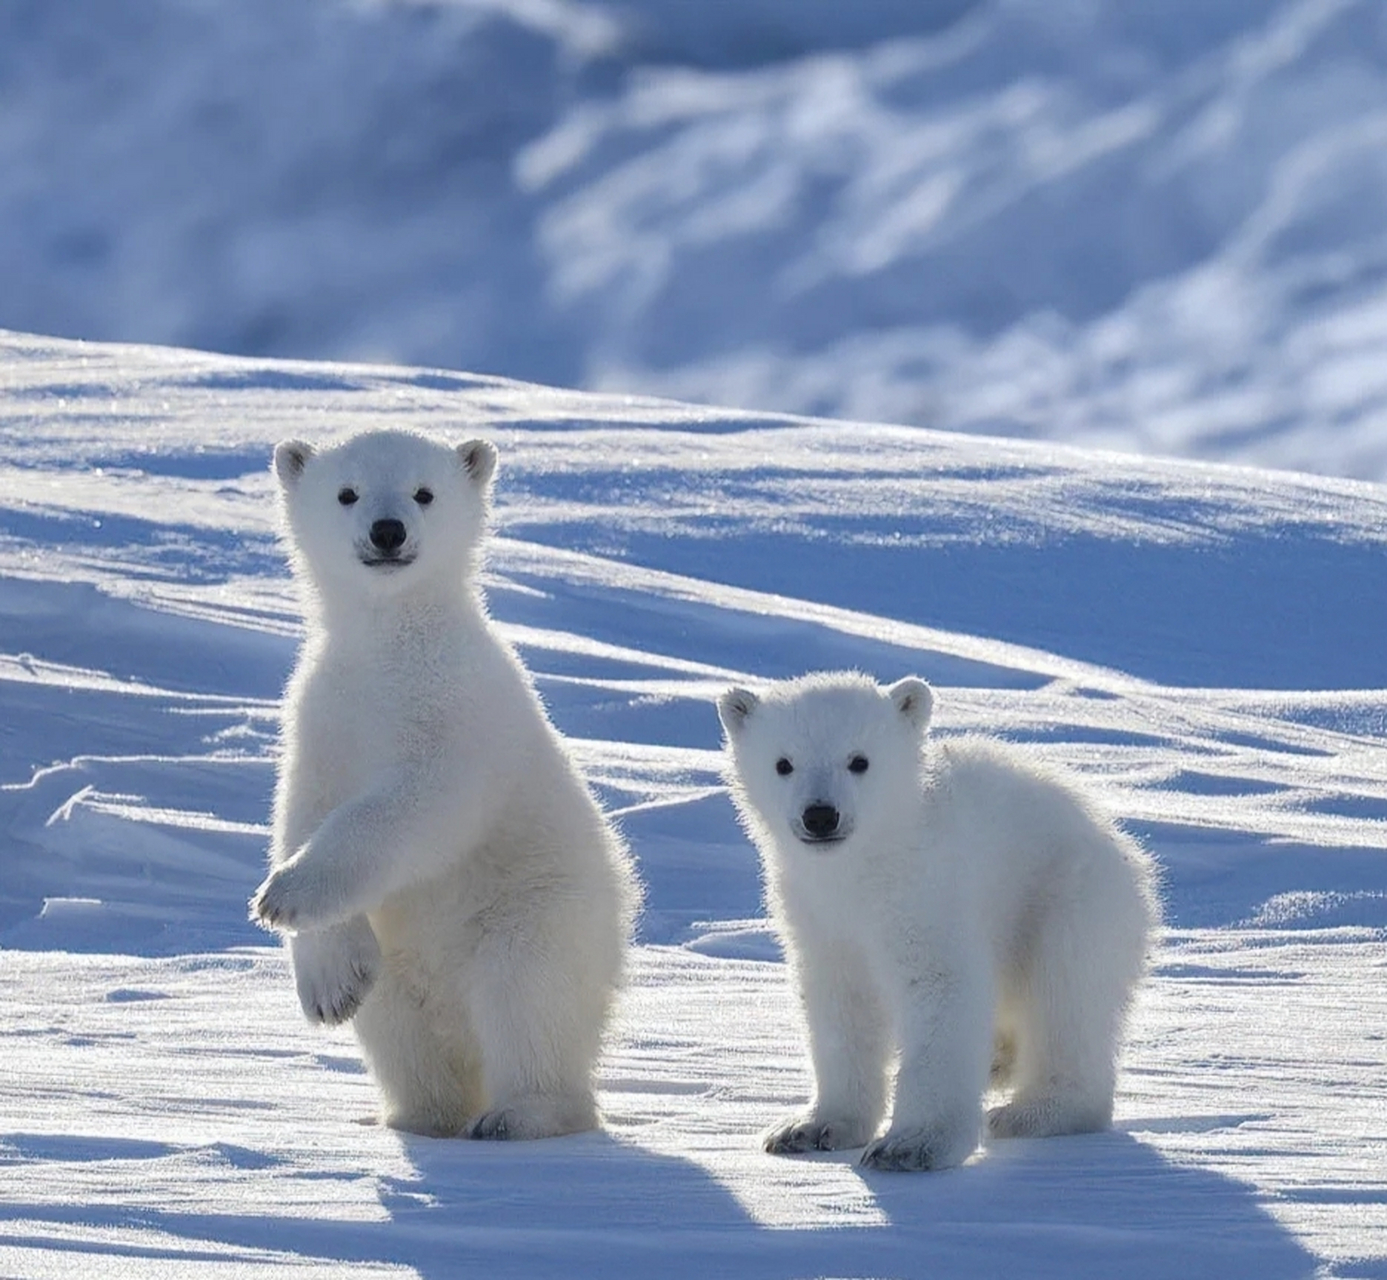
(446,878)
(947,902)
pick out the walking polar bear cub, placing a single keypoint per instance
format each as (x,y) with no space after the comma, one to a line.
(946,901)
(447,879)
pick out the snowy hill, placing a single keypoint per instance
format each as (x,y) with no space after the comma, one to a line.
(1153,227)
(1202,644)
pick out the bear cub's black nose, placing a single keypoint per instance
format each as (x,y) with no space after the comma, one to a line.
(820,820)
(388,535)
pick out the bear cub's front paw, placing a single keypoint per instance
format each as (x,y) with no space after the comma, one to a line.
(814,1133)
(334,969)
(293,897)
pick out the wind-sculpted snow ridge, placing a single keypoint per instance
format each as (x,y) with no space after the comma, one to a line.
(1202,645)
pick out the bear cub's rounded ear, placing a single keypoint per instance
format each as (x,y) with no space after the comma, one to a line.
(291,457)
(914,699)
(734,707)
(478,459)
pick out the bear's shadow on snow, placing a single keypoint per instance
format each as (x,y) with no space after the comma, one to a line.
(1094,1204)
(562,1207)
(1104,1204)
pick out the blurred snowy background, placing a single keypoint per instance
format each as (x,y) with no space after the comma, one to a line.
(1148,224)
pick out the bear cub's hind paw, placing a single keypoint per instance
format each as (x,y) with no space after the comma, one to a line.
(918,1150)
(535,1116)
(811,1133)
(1048,1117)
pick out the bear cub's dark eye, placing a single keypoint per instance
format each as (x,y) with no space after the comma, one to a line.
(346,496)
(858,764)
(783,767)
(423,496)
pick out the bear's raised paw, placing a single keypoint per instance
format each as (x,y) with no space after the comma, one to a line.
(334,969)
(296,896)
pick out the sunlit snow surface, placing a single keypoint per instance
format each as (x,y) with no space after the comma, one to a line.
(1203,645)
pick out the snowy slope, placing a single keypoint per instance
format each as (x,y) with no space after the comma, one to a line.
(1202,644)
(1151,226)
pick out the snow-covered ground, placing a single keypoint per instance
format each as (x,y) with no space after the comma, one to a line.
(1203,644)
(1154,226)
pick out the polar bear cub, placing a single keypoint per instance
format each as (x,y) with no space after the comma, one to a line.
(446,878)
(946,902)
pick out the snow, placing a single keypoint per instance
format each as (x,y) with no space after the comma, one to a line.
(1151,227)
(1200,643)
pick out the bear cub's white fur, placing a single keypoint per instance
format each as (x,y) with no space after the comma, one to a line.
(947,905)
(446,878)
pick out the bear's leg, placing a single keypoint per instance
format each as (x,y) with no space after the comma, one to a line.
(1070,1007)
(946,1051)
(418,1052)
(849,1044)
(539,1019)
(334,968)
